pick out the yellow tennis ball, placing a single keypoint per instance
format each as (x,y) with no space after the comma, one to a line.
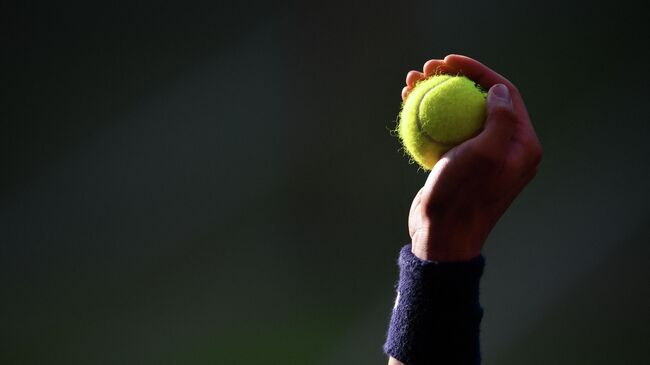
(440,113)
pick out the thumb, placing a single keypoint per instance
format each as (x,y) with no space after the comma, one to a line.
(501,118)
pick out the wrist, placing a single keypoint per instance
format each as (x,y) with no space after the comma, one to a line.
(424,253)
(445,249)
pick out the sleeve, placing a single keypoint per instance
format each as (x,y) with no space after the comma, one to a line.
(437,315)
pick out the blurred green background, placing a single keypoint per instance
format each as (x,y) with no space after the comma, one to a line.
(212,183)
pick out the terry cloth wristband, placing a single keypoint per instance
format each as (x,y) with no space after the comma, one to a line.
(437,314)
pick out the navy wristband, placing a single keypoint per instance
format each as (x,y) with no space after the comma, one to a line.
(437,314)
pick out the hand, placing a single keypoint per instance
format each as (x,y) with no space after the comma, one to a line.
(473,184)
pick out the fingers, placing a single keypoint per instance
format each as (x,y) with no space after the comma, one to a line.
(500,146)
(501,119)
(458,64)
(477,71)
(434,67)
(487,78)
(493,142)
(430,68)
(413,77)
(405,92)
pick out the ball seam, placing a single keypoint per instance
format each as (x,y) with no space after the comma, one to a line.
(419,124)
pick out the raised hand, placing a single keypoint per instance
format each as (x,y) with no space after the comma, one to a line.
(473,184)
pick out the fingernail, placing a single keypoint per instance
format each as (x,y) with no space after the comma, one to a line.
(501,92)
(499,95)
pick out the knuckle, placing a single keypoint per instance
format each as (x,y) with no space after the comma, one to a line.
(501,116)
(501,111)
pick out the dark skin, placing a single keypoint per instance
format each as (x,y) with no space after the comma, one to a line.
(473,184)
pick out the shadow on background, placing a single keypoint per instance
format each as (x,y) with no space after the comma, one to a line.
(199,183)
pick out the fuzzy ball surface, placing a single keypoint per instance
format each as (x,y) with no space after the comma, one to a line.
(440,113)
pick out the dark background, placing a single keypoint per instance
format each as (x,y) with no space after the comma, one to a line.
(209,183)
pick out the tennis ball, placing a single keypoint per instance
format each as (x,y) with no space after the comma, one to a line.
(440,113)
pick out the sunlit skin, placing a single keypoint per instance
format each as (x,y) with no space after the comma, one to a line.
(473,184)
